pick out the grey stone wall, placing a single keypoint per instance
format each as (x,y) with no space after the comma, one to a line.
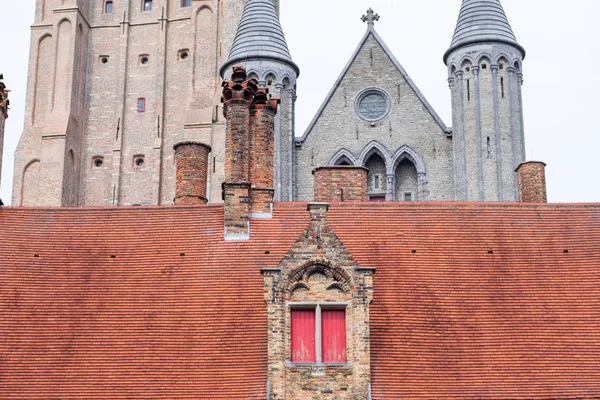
(489,144)
(409,132)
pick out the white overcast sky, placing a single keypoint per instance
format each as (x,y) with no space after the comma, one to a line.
(562,82)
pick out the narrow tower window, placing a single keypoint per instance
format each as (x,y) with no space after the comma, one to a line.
(108,7)
(468,90)
(489,148)
(147,5)
(141,105)
(502,86)
(186,3)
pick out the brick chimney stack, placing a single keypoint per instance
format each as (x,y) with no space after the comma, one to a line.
(4,102)
(262,154)
(531,178)
(341,183)
(192,173)
(238,95)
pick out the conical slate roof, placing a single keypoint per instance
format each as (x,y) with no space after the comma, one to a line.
(482,21)
(259,36)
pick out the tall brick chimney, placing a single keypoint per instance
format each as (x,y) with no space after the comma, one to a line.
(262,154)
(238,95)
(3,116)
(341,183)
(531,178)
(192,173)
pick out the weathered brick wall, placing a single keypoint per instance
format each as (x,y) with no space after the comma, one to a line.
(532,182)
(192,173)
(3,116)
(341,183)
(318,269)
(262,153)
(181,100)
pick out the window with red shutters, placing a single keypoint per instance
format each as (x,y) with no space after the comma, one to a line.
(303,336)
(333,336)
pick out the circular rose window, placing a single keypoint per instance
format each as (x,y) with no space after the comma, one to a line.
(372,105)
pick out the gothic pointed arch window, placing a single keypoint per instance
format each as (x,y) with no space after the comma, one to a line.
(407,181)
(376,178)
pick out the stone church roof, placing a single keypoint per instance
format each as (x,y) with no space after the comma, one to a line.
(481,21)
(473,301)
(259,35)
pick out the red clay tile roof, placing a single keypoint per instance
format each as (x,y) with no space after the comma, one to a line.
(452,320)
(147,324)
(449,320)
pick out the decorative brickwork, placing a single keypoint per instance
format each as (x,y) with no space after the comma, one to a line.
(532,182)
(262,150)
(319,272)
(238,95)
(192,173)
(341,183)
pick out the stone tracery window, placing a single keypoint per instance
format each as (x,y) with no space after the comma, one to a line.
(373,104)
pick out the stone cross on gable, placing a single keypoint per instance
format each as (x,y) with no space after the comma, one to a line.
(370,18)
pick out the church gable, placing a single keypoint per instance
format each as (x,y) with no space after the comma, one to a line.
(372,66)
(375,117)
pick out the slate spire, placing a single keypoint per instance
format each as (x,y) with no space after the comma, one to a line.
(259,36)
(482,21)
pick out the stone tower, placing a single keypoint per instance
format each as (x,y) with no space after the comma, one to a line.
(261,48)
(113,86)
(485,75)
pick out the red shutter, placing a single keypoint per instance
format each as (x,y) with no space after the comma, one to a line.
(303,336)
(333,327)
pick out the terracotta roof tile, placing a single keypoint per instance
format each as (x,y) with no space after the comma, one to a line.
(471,300)
(480,301)
(146,324)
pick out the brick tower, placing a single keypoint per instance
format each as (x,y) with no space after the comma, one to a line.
(485,75)
(113,86)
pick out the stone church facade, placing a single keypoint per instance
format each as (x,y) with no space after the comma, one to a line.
(115,86)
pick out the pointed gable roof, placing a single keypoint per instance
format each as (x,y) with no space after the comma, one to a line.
(259,36)
(482,21)
(371,31)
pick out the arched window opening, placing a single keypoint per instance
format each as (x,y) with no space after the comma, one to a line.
(343,161)
(377,182)
(407,181)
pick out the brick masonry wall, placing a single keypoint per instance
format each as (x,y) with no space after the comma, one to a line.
(317,260)
(262,153)
(532,182)
(341,183)
(192,173)
(181,100)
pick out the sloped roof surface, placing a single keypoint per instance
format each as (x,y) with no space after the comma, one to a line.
(482,21)
(452,321)
(449,320)
(147,324)
(259,35)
